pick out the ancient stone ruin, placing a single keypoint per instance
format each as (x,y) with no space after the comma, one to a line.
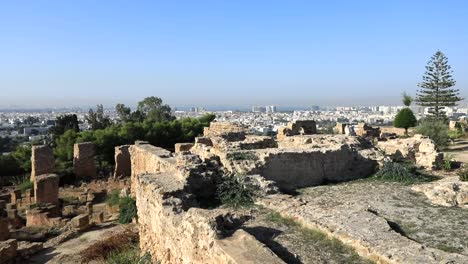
(122,161)
(46,189)
(42,161)
(418,149)
(83,160)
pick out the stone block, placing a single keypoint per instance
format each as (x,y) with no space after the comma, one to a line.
(123,166)
(42,161)
(203,141)
(15,195)
(181,147)
(46,189)
(80,222)
(83,160)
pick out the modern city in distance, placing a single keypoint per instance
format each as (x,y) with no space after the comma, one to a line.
(212,132)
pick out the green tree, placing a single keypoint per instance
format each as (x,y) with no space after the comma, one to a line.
(153,109)
(64,123)
(97,119)
(22,155)
(64,149)
(405,117)
(436,88)
(123,112)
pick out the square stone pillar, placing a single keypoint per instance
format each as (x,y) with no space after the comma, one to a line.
(46,189)
(42,161)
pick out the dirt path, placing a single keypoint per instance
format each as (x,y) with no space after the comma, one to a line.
(69,252)
(459,150)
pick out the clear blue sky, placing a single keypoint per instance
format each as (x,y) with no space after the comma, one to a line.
(239,53)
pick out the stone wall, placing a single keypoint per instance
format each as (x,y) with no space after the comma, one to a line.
(227,130)
(123,165)
(418,148)
(42,161)
(292,169)
(46,188)
(146,158)
(83,160)
(299,127)
(173,231)
(395,130)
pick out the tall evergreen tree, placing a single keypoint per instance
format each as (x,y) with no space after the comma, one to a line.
(436,88)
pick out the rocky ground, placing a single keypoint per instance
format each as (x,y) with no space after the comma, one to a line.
(385,221)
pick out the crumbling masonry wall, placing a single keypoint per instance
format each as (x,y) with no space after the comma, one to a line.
(83,160)
(122,161)
(46,188)
(172,228)
(42,161)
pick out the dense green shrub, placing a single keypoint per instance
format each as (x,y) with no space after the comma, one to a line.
(25,185)
(233,191)
(436,130)
(405,119)
(463,174)
(448,162)
(128,210)
(405,173)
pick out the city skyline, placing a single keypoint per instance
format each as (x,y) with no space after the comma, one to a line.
(64,54)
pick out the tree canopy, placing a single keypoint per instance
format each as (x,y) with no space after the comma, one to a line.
(436,88)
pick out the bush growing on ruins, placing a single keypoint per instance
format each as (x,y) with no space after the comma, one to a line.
(405,173)
(111,245)
(113,198)
(436,130)
(463,174)
(128,210)
(233,191)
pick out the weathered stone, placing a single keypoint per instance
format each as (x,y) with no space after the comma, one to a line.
(364,130)
(172,235)
(299,127)
(226,130)
(447,192)
(46,189)
(418,148)
(84,166)
(339,128)
(8,251)
(122,161)
(15,195)
(181,147)
(81,222)
(42,161)
(43,217)
(4,231)
(98,217)
(203,141)
(27,249)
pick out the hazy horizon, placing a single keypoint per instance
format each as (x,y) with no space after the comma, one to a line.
(242,53)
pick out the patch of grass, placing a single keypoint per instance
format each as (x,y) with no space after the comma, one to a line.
(69,200)
(242,156)
(447,248)
(128,210)
(130,255)
(233,191)
(344,253)
(113,198)
(111,245)
(447,163)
